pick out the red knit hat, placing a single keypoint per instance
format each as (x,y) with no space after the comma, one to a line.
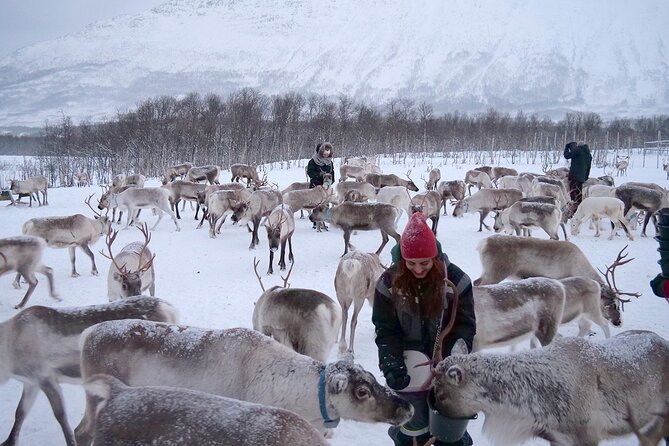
(418,241)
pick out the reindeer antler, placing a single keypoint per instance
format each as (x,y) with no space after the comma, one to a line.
(611,269)
(110,241)
(88,202)
(285,279)
(255,269)
(144,229)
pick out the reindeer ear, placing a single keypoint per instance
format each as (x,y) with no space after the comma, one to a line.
(454,375)
(337,383)
(459,348)
(117,276)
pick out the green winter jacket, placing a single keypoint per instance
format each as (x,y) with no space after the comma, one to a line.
(398,330)
(581,160)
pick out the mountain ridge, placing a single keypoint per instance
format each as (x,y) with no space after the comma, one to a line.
(608,57)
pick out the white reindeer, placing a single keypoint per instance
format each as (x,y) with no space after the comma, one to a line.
(188,417)
(477,178)
(23,254)
(355,281)
(485,201)
(597,381)
(523,215)
(596,208)
(39,346)
(237,363)
(137,198)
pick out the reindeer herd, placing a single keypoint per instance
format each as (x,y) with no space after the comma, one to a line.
(131,352)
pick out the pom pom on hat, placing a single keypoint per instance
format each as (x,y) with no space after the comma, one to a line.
(418,241)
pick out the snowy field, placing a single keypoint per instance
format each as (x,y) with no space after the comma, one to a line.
(213,285)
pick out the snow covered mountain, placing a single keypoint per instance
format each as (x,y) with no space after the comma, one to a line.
(606,56)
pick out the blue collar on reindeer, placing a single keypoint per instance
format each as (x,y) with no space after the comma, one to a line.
(328,422)
(327,213)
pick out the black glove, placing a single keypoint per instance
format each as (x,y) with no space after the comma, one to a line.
(398,379)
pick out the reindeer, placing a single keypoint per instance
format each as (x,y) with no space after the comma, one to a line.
(134,180)
(486,169)
(131,271)
(23,254)
(208,173)
(181,416)
(180,170)
(487,200)
(33,185)
(582,302)
(597,207)
(398,196)
(259,204)
(599,378)
(642,198)
(355,281)
(70,232)
(240,171)
(522,215)
(105,203)
(606,180)
(505,256)
(347,170)
(560,173)
(429,203)
(280,225)
(655,430)
(300,199)
(350,216)
(236,363)
(381,180)
(82,179)
(301,319)
(509,312)
(184,190)
(40,348)
(117,182)
(665,167)
(433,178)
(621,165)
(477,178)
(219,204)
(357,161)
(453,190)
(137,198)
(499,172)
(203,197)
(367,191)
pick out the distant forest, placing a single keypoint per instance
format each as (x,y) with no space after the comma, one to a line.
(250,127)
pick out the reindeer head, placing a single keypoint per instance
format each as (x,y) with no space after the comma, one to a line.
(461,207)
(612,303)
(131,281)
(104,219)
(239,210)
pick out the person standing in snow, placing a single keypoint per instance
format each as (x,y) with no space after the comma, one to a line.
(412,303)
(579,171)
(320,164)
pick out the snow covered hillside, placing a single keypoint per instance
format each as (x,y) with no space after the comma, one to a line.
(212,282)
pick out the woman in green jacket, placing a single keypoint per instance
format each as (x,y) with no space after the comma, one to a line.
(412,303)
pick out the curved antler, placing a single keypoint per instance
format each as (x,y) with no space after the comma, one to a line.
(144,229)
(88,202)
(620,260)
(111,236)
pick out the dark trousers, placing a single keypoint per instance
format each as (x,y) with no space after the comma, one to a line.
(575,193)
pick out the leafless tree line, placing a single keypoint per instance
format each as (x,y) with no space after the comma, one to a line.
(250,127)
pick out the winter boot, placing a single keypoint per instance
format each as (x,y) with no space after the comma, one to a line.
(466,440)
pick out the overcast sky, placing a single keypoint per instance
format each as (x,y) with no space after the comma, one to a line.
(24,22)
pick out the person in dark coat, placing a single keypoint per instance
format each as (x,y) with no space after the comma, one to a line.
(412,303)
(579,171)
(321,164)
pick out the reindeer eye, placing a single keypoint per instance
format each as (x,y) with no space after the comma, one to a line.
(362,393)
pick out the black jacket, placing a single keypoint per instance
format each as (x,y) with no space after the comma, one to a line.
(315,171)
(398,330)
(581,161)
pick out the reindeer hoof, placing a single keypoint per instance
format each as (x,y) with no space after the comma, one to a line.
(16,285)
(75,275)
(95,272)
(56,297)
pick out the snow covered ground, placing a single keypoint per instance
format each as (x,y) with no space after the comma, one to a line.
(212,282)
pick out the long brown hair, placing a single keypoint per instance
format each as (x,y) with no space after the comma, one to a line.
(405,287)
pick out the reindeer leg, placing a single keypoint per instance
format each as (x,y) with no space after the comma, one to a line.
(384,241)
(290,247)
(32,284)
(282,260)
(357,306)
(176,206)
(171,214)
(645,223)
(626,228)
(89,253)
(72,260)
(17,281)
(347,240)
(53,393)
(344,320)
(270,270)
(26,402)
